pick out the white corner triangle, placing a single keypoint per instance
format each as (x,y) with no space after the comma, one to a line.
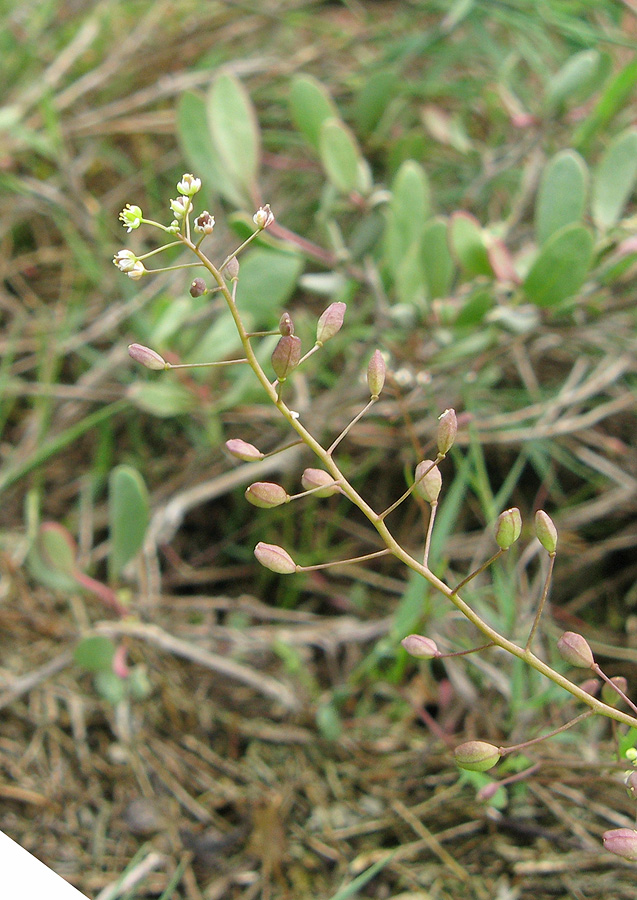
(23,877)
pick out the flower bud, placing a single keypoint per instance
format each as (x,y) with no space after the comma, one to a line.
(286,325)
(330,322)
(591,686)
(189,185)
(631,784)
(574,649)
(319,478)
(147,357)
(508,528)
(376,374)
(427,485)
(420,647)
(180,206)
(125,260)
(611,697)
(266,494)
(263,217)
(198,288)
(447,430)
(275,558)
(204,223)
(232,269)
(286,356)
(545,531)
(477,756)
(242,450)
(622,842)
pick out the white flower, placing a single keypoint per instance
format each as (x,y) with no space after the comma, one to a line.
(205,222)
(263,217)
(131,217)
(137,271)
(181,206)
(124,260)
(189,185)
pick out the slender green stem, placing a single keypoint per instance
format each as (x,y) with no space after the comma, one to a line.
(410,490)
(430,528)
(540,608)
(481,568)
(349,427)
(538,740)
(223,362)
(343,562)
(615,687)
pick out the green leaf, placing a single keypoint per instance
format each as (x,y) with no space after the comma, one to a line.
(161,398)
(438,265)
(110,686)
(561,198)
(95,654)
(561,266)
(468,245)
(372,100)
(615,97)
(409,279)
(128,512)
(310,106)
(341,158)
(474,310)
(235,132)
(575,81)
(409,209)
(267,279)
(57,548)
(614,180)
(199,150)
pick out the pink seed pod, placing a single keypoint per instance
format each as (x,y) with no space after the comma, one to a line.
(286,356)
(243,450)
(447,430)
(266,494)
(420,647)
(330,322)
(376,374)
(275,558)
(319,478)
(574,649)
(147,357)
(286,325)
(622,842)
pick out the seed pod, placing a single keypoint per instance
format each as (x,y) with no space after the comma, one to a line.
(477,756)
(286,356)
(508,527)
(574,649)
(622,842)
(147,357)
(275,558)
(611,697)
(428,486)
(266,494)
(376,374)
(545,531)
(330,322)
(319,478)
(242,450)
(286,325)
(447,430)
(198,288)
(420,647)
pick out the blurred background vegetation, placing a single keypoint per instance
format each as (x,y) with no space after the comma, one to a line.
(462,175)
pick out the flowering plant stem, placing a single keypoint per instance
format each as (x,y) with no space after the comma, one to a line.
(378,520)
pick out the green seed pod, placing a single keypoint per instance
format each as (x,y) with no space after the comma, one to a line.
(508,527)
(545,531)
(477,756)
(376,374)
(275,558)
(574,649)
(428,485)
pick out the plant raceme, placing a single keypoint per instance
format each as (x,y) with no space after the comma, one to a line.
(190,231)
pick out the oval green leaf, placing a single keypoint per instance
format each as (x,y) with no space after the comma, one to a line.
(437,262)
(235,131)
(561,266)
(128,512)
(409,209)
(614,179)
(95,654)
(341,158)
(561,197)
(468,246)
(575,81)
(310,106)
